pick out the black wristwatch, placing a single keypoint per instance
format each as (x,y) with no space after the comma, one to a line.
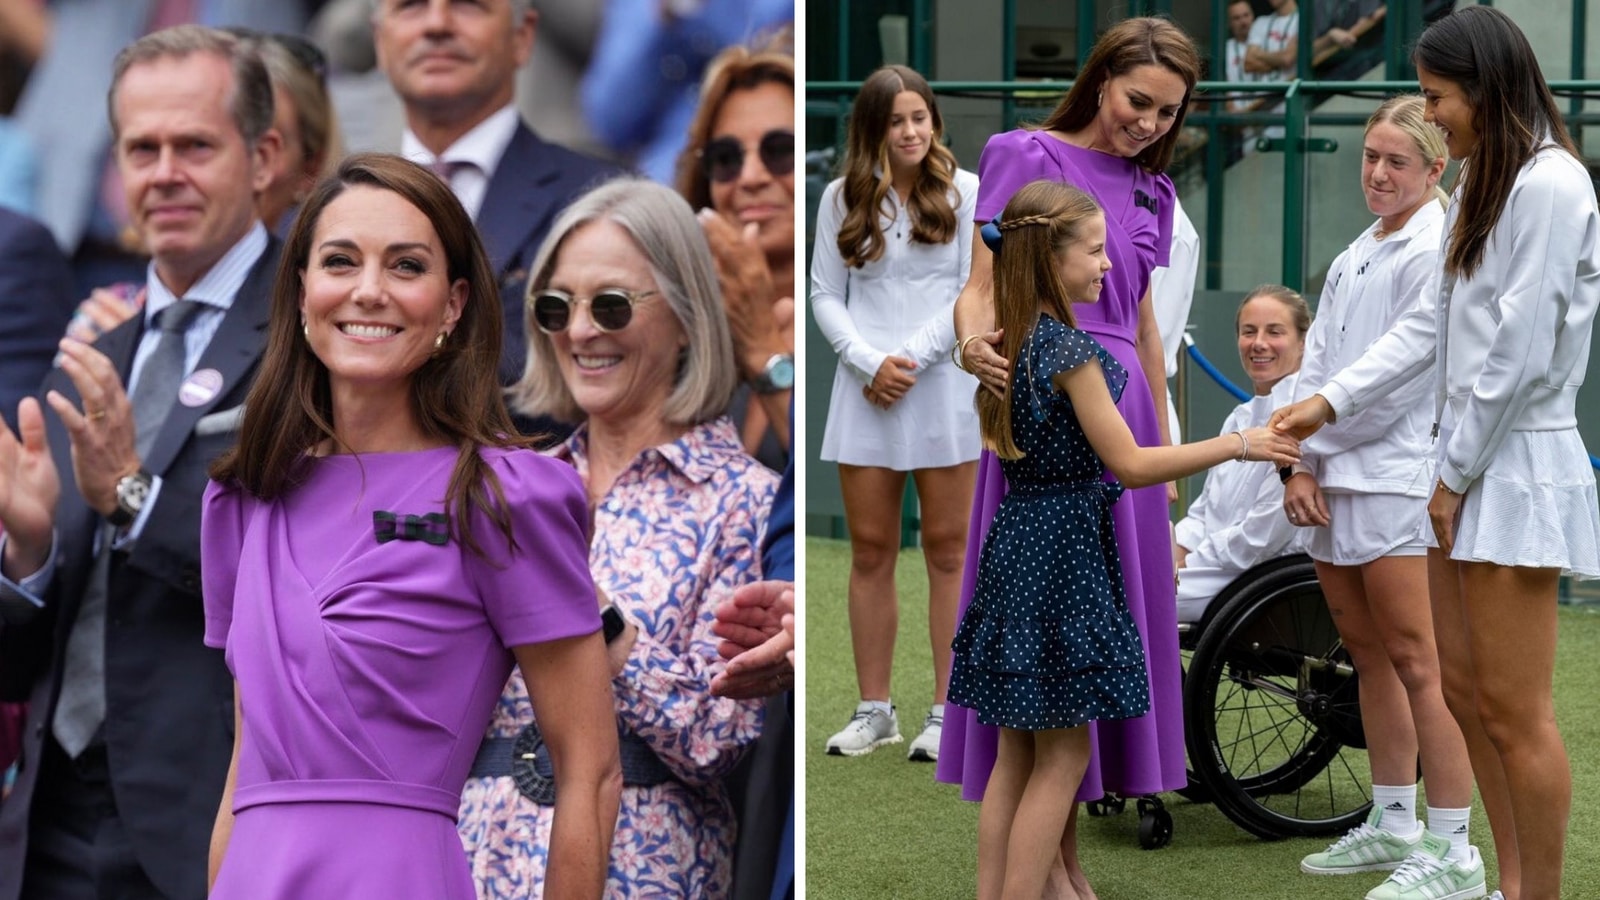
(611,622)
(1285,473)
(132,491)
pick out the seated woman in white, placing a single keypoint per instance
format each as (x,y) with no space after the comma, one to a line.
(1237,521)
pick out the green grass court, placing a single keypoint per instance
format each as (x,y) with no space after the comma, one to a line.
(880,827)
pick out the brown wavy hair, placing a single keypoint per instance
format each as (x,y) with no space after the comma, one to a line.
(1040,219)
(1127,45)
(1487,55)
(455,395)
(868,180)
(734,69)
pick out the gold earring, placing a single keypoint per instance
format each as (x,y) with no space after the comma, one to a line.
(305,328)
(1099,98)
(438,341)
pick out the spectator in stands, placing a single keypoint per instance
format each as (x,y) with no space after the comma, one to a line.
(454,66)
(739,163)
(628,337)
(1274,51)
(304,118)
(130,713)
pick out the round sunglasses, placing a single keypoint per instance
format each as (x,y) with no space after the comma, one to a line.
(723,159)
(610,310)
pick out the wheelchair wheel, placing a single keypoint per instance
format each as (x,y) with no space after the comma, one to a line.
(1272,716)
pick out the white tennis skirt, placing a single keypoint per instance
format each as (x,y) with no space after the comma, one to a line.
(1365,527)
(1535,506)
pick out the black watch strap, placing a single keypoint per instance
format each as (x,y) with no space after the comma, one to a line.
(611,623)
(1285,473)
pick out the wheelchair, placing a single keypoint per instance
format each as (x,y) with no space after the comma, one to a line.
(1272,716)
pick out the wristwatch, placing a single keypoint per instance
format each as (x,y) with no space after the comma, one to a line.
(611,623)
(133,490)
(777,375)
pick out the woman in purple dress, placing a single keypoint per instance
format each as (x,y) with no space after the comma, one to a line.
(378,550)
(1112,136)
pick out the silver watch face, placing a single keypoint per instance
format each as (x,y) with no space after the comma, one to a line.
(132,491)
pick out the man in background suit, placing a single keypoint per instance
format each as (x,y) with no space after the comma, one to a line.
(36,301)
(454,66)
(131,715)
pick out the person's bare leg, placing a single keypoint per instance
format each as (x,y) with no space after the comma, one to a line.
(1397,595)
(1511,624)
(1385,712)
(1456,683)
(872,512)
(1060,757)
(1013,765)
(947,504)
(1070,860)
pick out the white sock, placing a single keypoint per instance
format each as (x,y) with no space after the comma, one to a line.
(1452,824)
(883,706)
(938,710)
(1399,805)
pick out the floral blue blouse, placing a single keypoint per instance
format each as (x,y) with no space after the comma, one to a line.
(678,531)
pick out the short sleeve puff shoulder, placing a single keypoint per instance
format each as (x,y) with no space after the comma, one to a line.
(540,589)
(224,512)
(1055,348)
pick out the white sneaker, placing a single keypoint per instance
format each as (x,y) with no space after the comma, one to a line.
(869,729)
(926,747)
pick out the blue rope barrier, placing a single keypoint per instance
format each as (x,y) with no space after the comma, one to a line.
(1222,381)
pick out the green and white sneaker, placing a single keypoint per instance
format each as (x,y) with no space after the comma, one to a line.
(1429,874)
(1364,848)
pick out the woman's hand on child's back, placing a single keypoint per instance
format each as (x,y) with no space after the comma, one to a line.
(982,358)
(1269,445)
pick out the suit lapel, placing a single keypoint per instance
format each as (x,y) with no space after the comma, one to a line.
(238,343)
(524,190)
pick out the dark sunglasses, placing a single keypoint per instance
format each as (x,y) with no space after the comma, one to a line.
(723,159)
(610,310)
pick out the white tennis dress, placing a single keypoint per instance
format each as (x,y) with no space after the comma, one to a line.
(900,304)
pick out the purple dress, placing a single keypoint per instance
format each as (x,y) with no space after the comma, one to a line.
(367,669)
(1136,756)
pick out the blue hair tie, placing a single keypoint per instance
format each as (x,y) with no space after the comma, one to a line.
(991,234)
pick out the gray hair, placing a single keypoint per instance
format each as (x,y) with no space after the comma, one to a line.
(667,233)
(251,101)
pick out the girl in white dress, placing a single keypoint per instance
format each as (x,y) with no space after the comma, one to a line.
(1509,317)
(892,250)
(1361,492)
(1237,521)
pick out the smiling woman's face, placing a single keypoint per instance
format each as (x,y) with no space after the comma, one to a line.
(1136,110)
(756,195)
(1270,346)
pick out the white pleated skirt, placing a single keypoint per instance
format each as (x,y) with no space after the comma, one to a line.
(1535,506)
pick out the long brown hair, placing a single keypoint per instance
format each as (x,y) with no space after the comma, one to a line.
(868,180)
(1127,45)
(455,395)
(1486,54)
(1040,219)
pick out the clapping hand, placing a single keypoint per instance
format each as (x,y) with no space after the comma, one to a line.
(757,630)
(29,488)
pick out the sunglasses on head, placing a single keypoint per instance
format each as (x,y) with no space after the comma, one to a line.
(723,159)
(610,310)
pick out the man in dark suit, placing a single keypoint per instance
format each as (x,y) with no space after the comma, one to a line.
(454,66)
(36,301)
(131,716)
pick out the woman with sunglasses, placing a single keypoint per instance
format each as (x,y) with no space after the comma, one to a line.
(628,338)
(739,162)
(378,550)
(1508,319)
(1112,135)
(303,115)
(891,254)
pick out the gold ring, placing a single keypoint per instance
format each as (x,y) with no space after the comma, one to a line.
(97,415)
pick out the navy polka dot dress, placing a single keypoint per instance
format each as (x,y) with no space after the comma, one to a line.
(1047,641)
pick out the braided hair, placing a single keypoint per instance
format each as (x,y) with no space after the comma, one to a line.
(1027,237)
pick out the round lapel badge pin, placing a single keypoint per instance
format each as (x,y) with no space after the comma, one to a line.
(200,388)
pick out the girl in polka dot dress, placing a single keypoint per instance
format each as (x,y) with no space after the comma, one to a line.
(1047,645)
